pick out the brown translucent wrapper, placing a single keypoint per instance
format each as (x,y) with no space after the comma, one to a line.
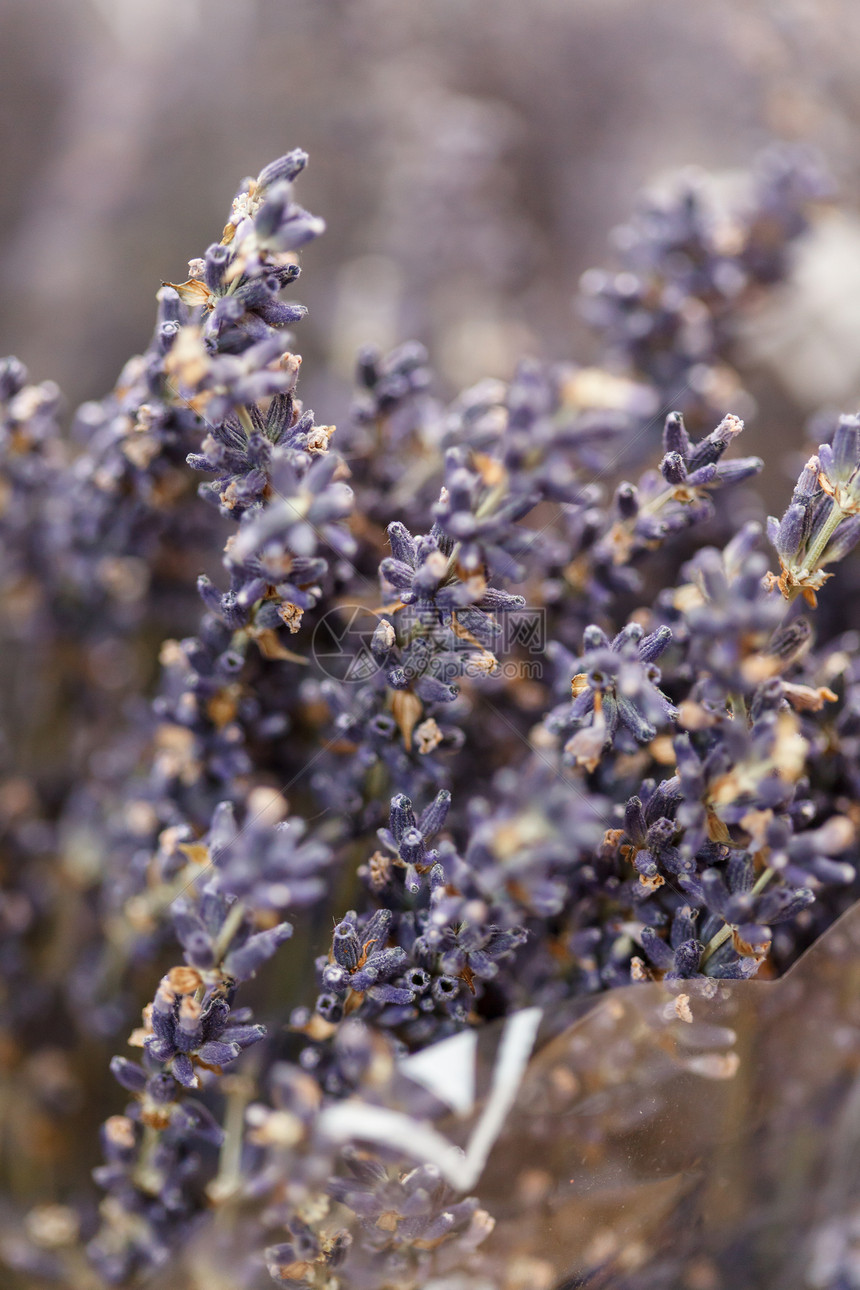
(695,1134)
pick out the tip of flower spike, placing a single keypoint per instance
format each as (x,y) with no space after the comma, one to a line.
(729,427)
(284,168)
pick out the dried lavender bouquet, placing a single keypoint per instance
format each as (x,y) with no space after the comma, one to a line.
(479,725)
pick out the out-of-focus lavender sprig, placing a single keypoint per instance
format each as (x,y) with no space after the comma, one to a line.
(276,477)
(227,924)
(102,516)
(689,266)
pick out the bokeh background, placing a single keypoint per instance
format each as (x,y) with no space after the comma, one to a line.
(470,157)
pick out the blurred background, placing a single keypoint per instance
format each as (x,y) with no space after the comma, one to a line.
(469,156)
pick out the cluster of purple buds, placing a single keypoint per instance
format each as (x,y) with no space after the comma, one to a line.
(822,523)
(407,836)
(616,695)
(688,264)
(664,504)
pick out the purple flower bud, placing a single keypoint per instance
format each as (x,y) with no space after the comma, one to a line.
(643,730)
(216,260)
(282,225)
(627,501)
(846,449)
(397,573)
(732,472)
(401,816)
(412,846)
(675,437)
(128,1074)
(183,1070)
(634,820)
(790,535)
(654,644)
(329,1007)
(278,314)
(433,816)
(657,950)
(432,690)
(686,960)
(673,469)
(335,979)
(218,1053)
(402,544)
(807,485)
(286,168)
(245,960)
(346,945)
(387,993)
(161,1088)
(446,990)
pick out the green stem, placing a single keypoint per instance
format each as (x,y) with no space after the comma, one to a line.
(495,495)
(147,1177)
(229,1176)
(837,515)
(719,938)
(738,706)
(657,503)
(229,927)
